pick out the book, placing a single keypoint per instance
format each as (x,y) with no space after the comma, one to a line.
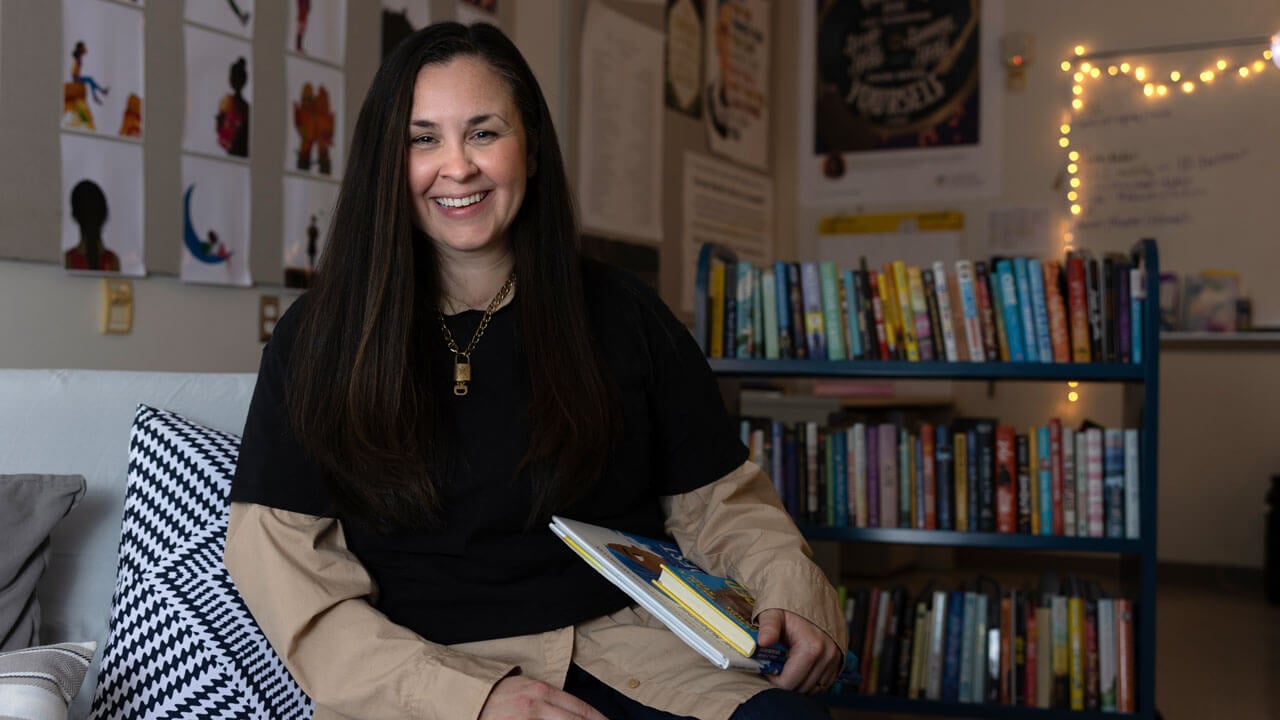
(633,563)
(1006,473)
(1113,482)
(1078,308)
(905,317)
(716,303)
(815,332)
(795,307)
(919,309)
(986,313)
(829,291)
(769,306)
(782,310)
(851,307)
(1132,527)
(945,313)
(746,338)
(720,603)
(1039,310)
(1125,679)
(1027,313)
(1013,334)
(1059,335)
(969,307)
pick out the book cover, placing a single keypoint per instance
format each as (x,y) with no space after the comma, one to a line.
(1026,313)
(1132,494)
(1006,472)
(795,306)
(1113,481)
(815,331)
(1014,334)
(969,309)
(1059,335)
(986,313)
(829,287)
(1078,308)
(942,288)
(769,305)
(1039,310)
(782,310)
(718,602)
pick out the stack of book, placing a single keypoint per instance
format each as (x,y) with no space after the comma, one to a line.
(1063,646)
(879,469)
(1080,308)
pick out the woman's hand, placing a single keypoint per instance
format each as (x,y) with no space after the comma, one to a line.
(813,658)
(516,697)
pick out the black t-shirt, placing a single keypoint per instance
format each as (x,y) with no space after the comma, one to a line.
(483,575)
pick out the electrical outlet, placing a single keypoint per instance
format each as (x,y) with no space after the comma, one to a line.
(268,314)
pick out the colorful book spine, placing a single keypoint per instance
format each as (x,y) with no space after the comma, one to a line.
(1132,484)
(1059,336)
(905,315)
(795,306)
(782,310)
(1039,310)
(745,347)
(829,283)
(1113,481)
(1057,470)
(769,304)
(1044,472)
(960,470)
(928,465)
(1075,649)
(1005,475)
(1013,333)
(856,442)
(1078,309)
(1033,479)
(986,313)
(997,312)
(1025,498)
(1026,312)
(969,309)
(1095,450)
(873,476)
(1137,293)
(1060,696)
(877,316)
(1125,680)
(815,333)
(919,307)
(892,314)
(716,301)
(852,305)
(945,312)
(942,470)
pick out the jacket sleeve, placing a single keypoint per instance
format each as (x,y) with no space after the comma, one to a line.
(311,596)
(737,527)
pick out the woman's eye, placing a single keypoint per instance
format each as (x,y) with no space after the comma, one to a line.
(422,140)
(483,135)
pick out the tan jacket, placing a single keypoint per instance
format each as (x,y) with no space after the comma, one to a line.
(313,598)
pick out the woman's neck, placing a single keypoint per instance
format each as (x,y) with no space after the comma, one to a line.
(470,283)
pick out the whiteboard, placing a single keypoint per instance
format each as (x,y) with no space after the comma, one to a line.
(1195,170)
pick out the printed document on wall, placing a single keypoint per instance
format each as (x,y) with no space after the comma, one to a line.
(900,102)
(724,204)
(620,126)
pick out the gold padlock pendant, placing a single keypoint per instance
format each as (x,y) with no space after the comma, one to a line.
(461,376)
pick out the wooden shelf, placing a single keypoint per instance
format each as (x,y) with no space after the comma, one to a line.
(1092,372)
(1260,340)
(952,538)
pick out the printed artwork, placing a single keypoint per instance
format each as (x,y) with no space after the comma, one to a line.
(314,121)
(474,11)
(103,76)
(219,94)
(308,208)
(215,222)
(736,91)
(400,18)
(317,29)
(684,57)
(102,206)
(230,16)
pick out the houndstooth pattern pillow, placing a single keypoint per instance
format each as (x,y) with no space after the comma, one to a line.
(181,643)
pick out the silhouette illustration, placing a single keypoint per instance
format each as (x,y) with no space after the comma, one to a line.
(76,94)
(243,17)
(313,120)
(304,9)
(131,123)
(89,210)
(313,234)
(233,113)
(210,252)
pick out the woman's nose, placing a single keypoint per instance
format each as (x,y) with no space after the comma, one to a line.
(457,162)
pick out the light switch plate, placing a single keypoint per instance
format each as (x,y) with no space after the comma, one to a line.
(268,314)
(117,306)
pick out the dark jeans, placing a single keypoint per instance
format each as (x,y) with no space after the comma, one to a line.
(772,703)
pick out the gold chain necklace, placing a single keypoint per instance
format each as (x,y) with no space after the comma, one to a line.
(462,358)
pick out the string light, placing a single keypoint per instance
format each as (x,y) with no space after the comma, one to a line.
(1188,86)
(1244,71)
(1175,76)
(1072,168)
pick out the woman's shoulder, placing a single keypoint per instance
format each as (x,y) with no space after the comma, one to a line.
(286,329)
(615,288)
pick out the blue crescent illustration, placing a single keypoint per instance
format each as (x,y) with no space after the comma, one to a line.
(212,252)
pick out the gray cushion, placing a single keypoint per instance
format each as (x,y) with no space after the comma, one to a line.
(30,505)
(38,683)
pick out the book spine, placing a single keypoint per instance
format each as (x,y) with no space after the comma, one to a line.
(985,432)
(892,321)
(873,476)
(915,508)
(942,472)
(919,650)
(906,317)
(1078,307)
(1107,291)
(1113,481)
(811,468)
(877,644)
(829,285)
(868,640)
(928,471)
(1022,461)
(1082,484)
(906,478)
(757,314)
(969,626)
(866,321)
(840,477)
(934,313)
(1137,294)
(1059,336)
(1068,444)
(1025,310)
(851,303)
(889,655)
(1044,657)
(937,642)
(716,303)
(814,328)
(1124,655)
(745,346)
(795,303)
(769,304)
(1091,653)
(1056,472)
(969,309)
(888,475)
(1093,297)
(1039,310)
(877,315)
(1124,334)
(1006,471)
(972,456)
(1094,448)
(942,289)
(981,658)
(1044,470)
(731,309)
(953,647)
(856,440)
(1031,674)
(1013,333)
(1033,479)
(826,477)
(1106,655)
(960,469)
(1132,526)
(997,311)
(1061,652)
(986,313)
(782,310)
(920,314)
(1075,649)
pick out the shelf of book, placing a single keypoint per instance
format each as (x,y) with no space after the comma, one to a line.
(1081,372)
(1139,370)
(892,704)
(951,538)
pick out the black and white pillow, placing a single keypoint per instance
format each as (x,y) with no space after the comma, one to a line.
(181,643)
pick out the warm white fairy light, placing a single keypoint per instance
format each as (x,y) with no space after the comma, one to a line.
(1175,76)
(1188,87)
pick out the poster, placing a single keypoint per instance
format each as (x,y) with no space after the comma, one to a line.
(234,17)
(724,204)
(318,30)
(313,118)
(308,209)
(103,211)
(620,126)
(474,11)
(400,18)
(684,57)
(901,101)
(219,94)
(215,222)
(103,81)
(737,80)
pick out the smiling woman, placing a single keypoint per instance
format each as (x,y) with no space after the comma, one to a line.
(457,374)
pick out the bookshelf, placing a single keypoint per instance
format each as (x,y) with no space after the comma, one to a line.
(1137,557)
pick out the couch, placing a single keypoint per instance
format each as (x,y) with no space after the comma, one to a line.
(79,422)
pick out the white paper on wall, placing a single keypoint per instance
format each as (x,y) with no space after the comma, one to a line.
(103,80)
(229,16)
(220,71)
(103,206)
(308,209)
(736,93)
(318,29)
(215,222)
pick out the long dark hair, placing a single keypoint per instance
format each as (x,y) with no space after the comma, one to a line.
(359,395)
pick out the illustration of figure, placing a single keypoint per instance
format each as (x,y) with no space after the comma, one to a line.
(242,16)
(313,234)
(323,130)
(214,247)
(77,55)
(89,210)
(233,113)
(304,9)
(644,563)
(131,123)
(718,104)
(304,122)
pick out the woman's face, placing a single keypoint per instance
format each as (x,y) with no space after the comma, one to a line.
(468,156)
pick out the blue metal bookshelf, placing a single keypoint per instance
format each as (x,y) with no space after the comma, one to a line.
(1138,556)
